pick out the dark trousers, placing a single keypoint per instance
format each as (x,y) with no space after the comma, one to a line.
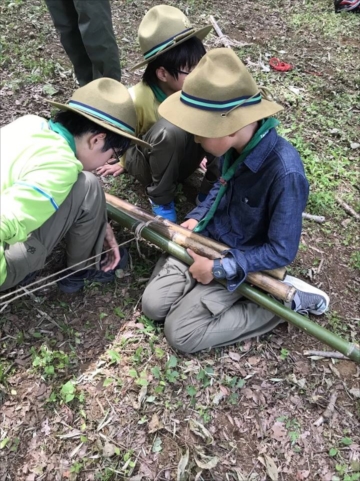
(87,35)
(172,158)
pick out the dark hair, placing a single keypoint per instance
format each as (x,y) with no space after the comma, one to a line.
(187,54)
(78,125)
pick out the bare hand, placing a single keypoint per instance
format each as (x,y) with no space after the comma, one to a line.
(203,164)
(201,269)
(112,257)
(190,224)
(108,169)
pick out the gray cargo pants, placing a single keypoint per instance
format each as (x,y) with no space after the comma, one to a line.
(81,220)
(200,316)
(173,157)
(87,35)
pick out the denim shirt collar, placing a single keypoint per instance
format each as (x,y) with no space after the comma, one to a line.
(258,155)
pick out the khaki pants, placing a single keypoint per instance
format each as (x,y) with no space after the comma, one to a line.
(81,220)
(87,35)
(200,316)
(173,157)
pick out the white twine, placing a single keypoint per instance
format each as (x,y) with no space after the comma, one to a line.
(24,290)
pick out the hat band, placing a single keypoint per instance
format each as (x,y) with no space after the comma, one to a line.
(166,43)
(217,106)
(99,114)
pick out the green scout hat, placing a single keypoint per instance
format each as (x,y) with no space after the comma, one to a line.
(164,27)
(219,97)
(108,103)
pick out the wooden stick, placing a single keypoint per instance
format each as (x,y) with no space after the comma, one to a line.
(329,411)
(217,29)
(226,41)
(188,239)
(347,208)
(168,228)
(334,355)
(316,218)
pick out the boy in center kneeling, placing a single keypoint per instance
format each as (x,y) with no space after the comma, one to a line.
(172,48)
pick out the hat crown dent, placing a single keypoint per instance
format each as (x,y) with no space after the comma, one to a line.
(161,23)
(220,76)
(109,96)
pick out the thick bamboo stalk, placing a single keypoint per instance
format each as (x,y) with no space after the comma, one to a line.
(350,350)
(184,238)
(169,229)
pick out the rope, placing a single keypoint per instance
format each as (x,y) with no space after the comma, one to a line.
(24,290)
(138,231)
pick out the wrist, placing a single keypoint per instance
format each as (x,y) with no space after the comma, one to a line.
(218,270)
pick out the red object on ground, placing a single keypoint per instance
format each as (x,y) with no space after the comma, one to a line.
(280,66)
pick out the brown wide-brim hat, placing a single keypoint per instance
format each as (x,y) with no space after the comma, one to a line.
(163,28)
(219,97)
(105,102)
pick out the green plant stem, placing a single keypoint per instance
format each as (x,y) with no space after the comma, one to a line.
(351,350)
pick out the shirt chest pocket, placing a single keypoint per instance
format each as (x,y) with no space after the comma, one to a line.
(249,220)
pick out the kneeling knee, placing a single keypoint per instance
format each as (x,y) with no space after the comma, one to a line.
(151,306)
(175,341)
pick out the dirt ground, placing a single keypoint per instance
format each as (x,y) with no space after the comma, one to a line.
(90,389)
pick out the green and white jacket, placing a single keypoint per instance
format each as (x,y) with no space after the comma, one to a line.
(38,168)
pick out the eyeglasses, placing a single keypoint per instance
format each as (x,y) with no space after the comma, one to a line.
(116,158)
(182,71)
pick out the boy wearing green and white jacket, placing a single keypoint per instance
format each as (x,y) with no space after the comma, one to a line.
(49,193)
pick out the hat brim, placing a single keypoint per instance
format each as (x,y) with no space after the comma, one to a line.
(106,125)
(205,123)
(200,34)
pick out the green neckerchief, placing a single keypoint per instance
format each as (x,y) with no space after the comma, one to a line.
(61,130)
(159,94)
(229,168)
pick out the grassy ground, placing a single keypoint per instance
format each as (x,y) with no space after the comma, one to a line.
(89,388)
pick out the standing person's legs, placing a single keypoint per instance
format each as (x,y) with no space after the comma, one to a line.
(201,316)
(95,25)
(81,219)
(65,18)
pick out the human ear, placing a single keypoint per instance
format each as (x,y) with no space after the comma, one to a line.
(161,74)
(96,139)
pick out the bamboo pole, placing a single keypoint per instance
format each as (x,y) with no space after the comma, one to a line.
(170,230)
(351,350)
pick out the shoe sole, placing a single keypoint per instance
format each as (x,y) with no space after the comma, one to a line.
(303,286)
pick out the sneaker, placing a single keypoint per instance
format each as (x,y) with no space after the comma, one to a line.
(167,211)
(28,279)
(200,198)
(76,281)
(307,298)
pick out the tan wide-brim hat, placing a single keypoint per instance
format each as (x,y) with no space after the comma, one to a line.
(163,28)
(106,102)
(219,97)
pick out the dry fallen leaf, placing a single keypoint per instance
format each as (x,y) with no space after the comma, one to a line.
(206,462)
(271,469)
(184,460)
(155,424)
(201,431)
(108,450)
(279,431)
(234,356)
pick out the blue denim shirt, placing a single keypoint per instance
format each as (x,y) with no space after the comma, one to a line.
(260,214)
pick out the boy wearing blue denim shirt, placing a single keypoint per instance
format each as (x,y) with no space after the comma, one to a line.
(256,209)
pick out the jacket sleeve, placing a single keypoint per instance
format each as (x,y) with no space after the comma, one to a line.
(286,204)
(37,194)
